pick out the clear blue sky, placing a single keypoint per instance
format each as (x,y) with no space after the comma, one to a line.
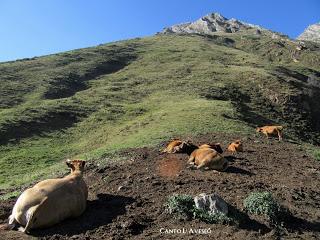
(37,27)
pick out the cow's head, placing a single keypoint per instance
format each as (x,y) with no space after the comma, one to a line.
(258,129)
(216,146)
(185,147)
(76,165)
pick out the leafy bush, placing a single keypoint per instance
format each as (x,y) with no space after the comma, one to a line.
(184,208)
(212,218)
(181,206)
(262,203)
(317,154)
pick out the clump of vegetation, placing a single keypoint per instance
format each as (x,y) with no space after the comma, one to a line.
(263,203)
(317,154)
(181,206)
(10,195)
(212,218)
(184,208)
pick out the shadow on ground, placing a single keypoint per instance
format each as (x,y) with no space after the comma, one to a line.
(99,212)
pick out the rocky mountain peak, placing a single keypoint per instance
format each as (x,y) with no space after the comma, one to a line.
(312,33)
(211,23)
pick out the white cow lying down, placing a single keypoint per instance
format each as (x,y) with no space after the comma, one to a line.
(51,201)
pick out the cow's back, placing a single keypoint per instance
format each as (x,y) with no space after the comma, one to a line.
(65,200)
(51,201)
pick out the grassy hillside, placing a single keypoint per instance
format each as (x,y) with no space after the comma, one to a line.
(91,103)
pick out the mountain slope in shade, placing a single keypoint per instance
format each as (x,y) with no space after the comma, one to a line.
(312,33)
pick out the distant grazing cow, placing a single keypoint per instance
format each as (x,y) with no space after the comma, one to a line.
(51,201)
(271,131)
(208,158)
(235,146)
(178,146)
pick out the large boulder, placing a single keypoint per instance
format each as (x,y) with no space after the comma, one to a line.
(211,203)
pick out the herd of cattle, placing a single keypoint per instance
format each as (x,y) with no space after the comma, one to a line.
(209,155)
(53,200)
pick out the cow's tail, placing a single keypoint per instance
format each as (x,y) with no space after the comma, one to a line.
(11,224)
(32,216)
(30,219)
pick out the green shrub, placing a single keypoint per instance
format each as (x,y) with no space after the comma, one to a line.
(212,218)
(262,203)
(183,208)
(316,154)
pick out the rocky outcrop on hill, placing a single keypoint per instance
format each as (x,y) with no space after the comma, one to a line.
(312,33)
(211,23)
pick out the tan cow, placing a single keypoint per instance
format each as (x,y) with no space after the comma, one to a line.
(235,146)
(51,201)
(173,146)
(178,146)
(208,158)
(271,131)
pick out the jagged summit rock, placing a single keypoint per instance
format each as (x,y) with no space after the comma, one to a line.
(211,23)
(312,33)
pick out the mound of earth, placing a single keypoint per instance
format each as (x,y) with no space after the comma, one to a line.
(126,198)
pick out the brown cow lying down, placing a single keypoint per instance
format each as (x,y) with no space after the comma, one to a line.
(235,146)
(51,201)
(271,131)
(208,158)
(178,146)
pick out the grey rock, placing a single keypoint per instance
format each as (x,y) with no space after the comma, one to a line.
(211,23)
(257,32)
(211,203)
(312,33)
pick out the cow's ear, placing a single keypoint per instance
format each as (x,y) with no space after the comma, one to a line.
(83,163)
(68,162)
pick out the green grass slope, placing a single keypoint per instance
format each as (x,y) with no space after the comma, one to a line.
(93,102)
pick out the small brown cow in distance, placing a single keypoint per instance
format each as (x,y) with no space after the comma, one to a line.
(178,146)
(235,146)
(271,131)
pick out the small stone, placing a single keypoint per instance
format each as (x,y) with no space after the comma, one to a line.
(120,188)
(100,170)
(156,183)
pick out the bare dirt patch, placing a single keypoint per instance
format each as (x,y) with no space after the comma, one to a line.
(126,199)
(170,166)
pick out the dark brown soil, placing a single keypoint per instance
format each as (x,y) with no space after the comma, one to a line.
(126,198)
